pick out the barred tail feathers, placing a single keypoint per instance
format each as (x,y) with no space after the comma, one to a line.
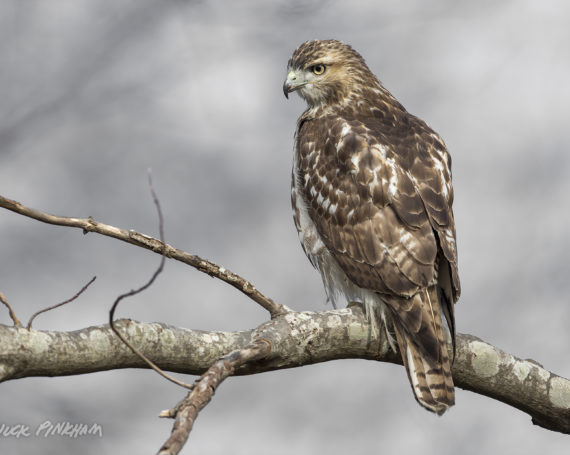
(425,356)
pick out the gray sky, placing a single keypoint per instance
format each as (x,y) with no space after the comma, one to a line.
(95,92)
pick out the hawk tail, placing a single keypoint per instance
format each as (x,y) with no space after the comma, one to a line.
(428,364)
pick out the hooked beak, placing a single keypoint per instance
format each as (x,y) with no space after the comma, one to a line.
(292,83)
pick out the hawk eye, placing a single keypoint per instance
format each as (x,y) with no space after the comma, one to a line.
(318,69)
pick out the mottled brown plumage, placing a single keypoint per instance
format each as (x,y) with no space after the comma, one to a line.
(372,197)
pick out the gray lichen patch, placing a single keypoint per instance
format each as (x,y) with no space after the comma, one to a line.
(485,360)
(167,336)
(333,320)
(559,392)
(40,341)
(521,369)
(100,340)
(302,323)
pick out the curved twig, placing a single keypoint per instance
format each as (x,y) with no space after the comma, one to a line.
(49,308)
(11,312)
(132,292)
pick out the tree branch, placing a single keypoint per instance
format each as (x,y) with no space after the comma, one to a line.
(187,410)
(296,339)
(150,243)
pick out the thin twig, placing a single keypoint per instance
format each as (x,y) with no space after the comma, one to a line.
(144,241)
(29,326)
(187,410)
(142,288)
(13,316)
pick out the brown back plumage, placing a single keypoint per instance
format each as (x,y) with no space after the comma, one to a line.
(372,198)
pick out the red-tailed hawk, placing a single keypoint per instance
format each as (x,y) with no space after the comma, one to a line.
(372,195)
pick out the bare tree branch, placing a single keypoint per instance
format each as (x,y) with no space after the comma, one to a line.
(187,410)
(150,243)
(296,339)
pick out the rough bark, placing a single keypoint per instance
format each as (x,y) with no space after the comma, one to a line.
(296,339)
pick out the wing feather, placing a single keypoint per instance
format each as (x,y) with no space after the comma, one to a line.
(375,214)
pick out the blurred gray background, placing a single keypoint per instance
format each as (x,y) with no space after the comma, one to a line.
(95,92)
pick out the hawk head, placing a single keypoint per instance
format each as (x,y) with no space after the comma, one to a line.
(327,72)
